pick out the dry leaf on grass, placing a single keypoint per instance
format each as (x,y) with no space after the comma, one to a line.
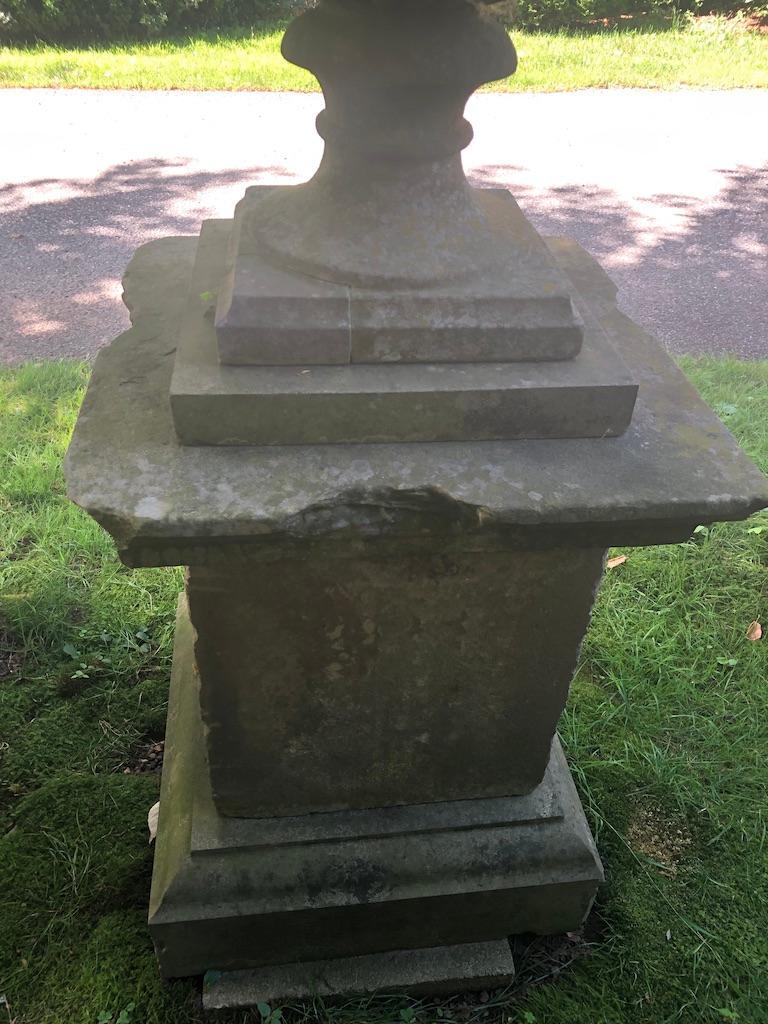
(613,562)
(754,631)
(154,814)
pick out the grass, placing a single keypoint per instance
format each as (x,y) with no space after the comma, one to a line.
(666,732)
(707,53)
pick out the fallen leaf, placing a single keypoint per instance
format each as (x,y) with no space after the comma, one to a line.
(754,631)
(154,814)
(613,562)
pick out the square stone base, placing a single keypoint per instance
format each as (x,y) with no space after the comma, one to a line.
(241,893)
(520,309)
(215,403)
(467,968)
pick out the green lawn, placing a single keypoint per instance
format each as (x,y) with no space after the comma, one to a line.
(666,730)
(710,53)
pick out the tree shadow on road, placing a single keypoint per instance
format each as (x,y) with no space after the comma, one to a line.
(65,244)
(698,280)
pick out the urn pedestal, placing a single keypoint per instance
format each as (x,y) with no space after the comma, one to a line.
(391,450)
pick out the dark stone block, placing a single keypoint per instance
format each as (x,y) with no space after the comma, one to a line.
(330,683)
(233,901)
(472,966)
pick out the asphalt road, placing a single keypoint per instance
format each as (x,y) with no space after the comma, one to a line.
(668,190)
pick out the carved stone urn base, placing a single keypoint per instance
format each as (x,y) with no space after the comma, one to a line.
(463,388)
(387,258)
(518,307)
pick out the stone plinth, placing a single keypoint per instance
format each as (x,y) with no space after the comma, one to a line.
(237,893)
(358,607)
(331,682)
(391,453)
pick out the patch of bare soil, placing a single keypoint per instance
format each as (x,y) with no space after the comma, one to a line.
(148,758)
(736,23)
(664,842)
(11,657)
(757,23)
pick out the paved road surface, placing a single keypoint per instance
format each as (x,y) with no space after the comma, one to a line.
(668,190)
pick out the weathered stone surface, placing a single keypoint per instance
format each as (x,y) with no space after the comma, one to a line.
(368,674)
(232,895)
(164,503)
(389,204)
(592,395)
(213,831)
(332,683)
(519,308)
(472,966)
(270,317)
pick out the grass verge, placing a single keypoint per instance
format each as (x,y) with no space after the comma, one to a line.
(714,53)
(666,732)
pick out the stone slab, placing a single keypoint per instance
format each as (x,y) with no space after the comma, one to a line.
(470,967)
(517,310)
(167,504)
(334,684)
(216,832)
(592,395)
(271,317)
(252,904)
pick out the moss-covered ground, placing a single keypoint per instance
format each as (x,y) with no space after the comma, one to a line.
(666,730)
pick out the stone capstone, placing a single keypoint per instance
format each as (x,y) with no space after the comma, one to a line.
(166,503)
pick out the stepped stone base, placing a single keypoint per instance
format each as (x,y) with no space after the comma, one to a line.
(375,401)
(519,308)
(242,893)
